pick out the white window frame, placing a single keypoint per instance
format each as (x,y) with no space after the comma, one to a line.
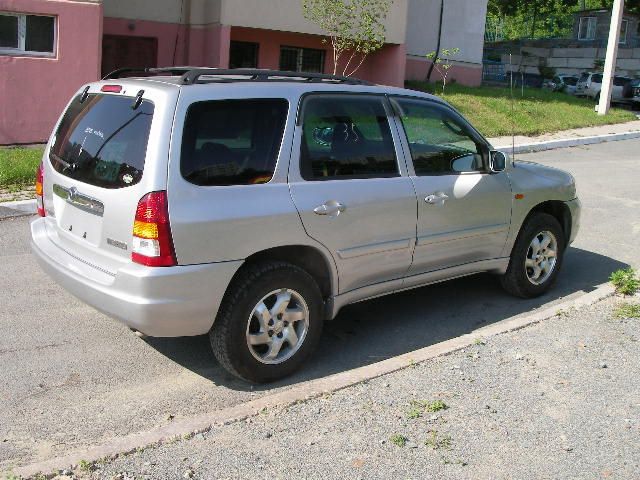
(22,36)
(624,27)
(591,26)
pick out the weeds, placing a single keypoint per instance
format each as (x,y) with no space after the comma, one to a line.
(398,440)
(85,466)
(628,310)
(625,281)
(418,407)
(436,406)
(437,442)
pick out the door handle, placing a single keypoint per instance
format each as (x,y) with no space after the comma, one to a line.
(331,208)
(435,198)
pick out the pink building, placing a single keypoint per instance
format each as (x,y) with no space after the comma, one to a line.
(48,48)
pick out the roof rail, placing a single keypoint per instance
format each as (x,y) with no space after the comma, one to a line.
(148,70)
(193,76)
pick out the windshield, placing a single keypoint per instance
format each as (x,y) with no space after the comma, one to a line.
(103,140)
(571,81)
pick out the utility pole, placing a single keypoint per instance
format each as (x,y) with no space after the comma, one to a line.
(612,55)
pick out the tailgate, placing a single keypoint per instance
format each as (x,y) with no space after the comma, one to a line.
(98,165)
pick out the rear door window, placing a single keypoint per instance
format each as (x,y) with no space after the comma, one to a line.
(346,137)
(232,142)
(102,141)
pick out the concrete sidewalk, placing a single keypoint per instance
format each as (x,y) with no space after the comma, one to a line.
(569,138)
(558,399)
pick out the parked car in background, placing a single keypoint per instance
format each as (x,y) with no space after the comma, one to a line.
(590,84)
(635,94)
(253,205)
(564,83)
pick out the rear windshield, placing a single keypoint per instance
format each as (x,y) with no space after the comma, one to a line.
(232,142)
(621,81)
(103,140)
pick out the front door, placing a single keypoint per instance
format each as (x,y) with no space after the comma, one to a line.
(351,188)
(464,211)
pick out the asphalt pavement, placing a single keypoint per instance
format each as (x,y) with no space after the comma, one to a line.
(71,377)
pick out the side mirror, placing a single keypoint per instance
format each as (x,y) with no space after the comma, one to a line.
(498,161)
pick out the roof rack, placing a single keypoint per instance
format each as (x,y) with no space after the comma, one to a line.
(153,71)
(258,75)
(192,75)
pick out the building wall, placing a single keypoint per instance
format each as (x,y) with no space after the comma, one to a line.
(386,66)
(462,27)
(574,61)
(603,24)
(194,12)
(34,90)
(287,15)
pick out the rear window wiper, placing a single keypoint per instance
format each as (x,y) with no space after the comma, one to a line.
(65,164)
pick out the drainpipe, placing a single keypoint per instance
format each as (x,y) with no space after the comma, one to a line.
(439,40)
(187,31)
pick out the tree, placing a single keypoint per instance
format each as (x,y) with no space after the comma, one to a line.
(355,28)
(557,15)
(443,65)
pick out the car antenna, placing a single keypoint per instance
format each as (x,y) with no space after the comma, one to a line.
(513,127)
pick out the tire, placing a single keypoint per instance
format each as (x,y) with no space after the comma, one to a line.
(256,287)
(518,279)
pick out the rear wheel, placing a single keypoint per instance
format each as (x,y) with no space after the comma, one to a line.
(536,257)
(269,322)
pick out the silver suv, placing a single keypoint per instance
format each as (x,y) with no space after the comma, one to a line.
(253,205)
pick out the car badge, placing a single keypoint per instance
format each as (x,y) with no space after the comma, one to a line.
(127,178)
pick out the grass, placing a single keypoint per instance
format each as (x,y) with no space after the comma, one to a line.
(628,310)
(625,281)
(18,166)
(539,111)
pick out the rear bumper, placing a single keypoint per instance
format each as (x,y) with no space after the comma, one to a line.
(160,302)
(575,207)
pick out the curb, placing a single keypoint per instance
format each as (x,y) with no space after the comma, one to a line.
(303,392)
(19,208)
(568,142)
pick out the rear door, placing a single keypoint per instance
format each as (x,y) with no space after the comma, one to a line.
(97,170)
(351,187)
(464,211)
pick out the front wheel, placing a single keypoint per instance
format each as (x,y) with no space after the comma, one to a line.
(536,257)
(269,322)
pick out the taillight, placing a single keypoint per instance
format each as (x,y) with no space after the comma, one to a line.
(152,243)
(40,189)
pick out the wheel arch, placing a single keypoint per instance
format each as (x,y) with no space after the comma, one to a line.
(311,259)
(557,209)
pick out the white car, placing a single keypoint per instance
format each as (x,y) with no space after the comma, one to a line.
(590,84)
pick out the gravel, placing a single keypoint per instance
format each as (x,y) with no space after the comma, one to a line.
(530,404)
